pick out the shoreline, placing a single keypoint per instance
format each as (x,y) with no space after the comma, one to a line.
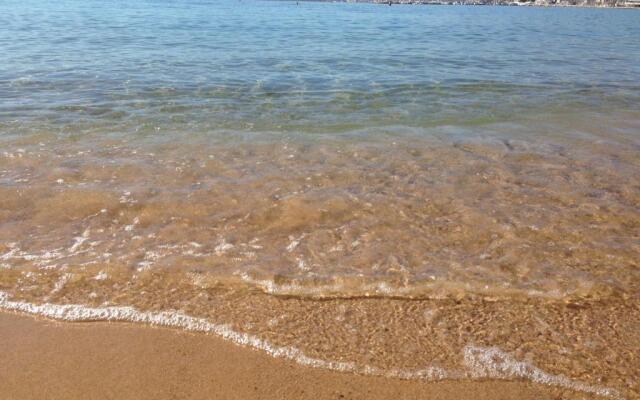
(463,3)
(47,359)
(478,362)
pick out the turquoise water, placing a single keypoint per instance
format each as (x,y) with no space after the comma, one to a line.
(315,67)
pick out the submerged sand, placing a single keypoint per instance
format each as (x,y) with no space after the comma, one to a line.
(42,359)
(402,255)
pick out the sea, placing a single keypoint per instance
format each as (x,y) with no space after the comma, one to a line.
(418,192)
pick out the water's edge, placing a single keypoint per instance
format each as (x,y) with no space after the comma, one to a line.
(479,362)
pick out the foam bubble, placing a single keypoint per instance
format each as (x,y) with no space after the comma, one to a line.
(79,241)
(223,247)
(60,283)
(102,275)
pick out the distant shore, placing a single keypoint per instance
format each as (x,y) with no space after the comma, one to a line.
(46,360)
(532,3)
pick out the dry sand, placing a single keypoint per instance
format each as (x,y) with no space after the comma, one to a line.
(42,359)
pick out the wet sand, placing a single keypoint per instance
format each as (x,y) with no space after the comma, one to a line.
(42,359)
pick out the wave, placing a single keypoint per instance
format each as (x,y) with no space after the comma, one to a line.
(478,362)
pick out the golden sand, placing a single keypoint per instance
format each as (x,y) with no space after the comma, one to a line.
(44,360)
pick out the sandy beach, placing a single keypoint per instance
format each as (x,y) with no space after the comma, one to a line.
(43,359)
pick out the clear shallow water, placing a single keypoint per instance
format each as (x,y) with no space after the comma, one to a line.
(470,175)
(317,67)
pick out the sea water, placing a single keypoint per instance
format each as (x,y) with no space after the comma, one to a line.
(402,191)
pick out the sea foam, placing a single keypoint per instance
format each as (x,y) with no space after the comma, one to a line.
(479,362)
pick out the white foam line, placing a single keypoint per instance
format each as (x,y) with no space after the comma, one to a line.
(80,313)
(271,287)
(480,362)
(491,362)
(371,289)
